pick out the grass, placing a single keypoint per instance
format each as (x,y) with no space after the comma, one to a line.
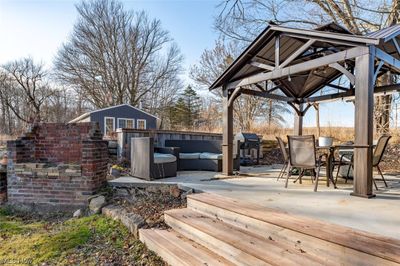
(340,134)
(88,240)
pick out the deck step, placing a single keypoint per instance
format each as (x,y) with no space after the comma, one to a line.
(237,245)
(335,244)
(176,249)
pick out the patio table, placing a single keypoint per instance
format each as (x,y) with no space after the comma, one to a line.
(331,155)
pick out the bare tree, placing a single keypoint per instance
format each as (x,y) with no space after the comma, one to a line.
(24,89)
(116,56)
(159,99)
(248,110)
(243,20)
(63,105)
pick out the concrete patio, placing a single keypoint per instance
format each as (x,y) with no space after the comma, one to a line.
(380,215)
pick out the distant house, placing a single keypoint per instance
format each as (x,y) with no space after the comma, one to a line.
(119,116)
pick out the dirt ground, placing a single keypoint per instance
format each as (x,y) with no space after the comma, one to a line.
(150,203)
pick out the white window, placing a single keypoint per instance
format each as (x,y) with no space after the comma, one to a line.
(141,124)
(130,123)
(109,125)
(126,123)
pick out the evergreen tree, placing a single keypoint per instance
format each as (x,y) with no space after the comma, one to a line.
(186,110)
(193,105)
(178,114)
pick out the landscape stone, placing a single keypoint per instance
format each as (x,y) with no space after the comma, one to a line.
(77,213)
(132,221)
(96,204)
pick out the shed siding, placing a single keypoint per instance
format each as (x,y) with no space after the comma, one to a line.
(123,112)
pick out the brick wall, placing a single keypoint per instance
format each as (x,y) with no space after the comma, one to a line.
(59,164)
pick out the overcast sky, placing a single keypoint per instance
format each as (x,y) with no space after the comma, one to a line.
(37,28)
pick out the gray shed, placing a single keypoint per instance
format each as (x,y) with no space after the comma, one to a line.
(119,116)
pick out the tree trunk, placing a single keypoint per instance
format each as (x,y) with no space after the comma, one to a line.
(382,107)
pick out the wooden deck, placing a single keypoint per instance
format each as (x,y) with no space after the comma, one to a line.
(222,231)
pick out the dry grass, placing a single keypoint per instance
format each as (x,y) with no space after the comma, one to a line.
(340,134)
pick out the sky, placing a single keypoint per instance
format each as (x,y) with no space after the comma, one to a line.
(37,28)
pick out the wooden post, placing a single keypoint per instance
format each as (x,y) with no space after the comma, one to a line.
(364,105)
(316,106)
(227,135)
(298,121)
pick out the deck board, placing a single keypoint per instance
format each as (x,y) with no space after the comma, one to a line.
(178,250)
(244,242)
(376,245)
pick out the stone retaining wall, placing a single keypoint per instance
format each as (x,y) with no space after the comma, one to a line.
(57,164)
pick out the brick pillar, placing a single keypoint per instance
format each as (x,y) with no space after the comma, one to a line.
(94,164)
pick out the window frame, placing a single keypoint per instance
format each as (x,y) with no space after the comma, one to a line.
(145,123)
(126,119)
(105,124)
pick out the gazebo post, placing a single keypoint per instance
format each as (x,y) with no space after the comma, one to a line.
(227,135)
(364,105)
(298,121)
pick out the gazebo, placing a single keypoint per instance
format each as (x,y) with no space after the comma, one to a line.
(293,65)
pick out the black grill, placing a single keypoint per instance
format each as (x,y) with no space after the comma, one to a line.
(248,141)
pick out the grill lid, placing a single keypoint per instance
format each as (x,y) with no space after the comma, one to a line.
(243,137)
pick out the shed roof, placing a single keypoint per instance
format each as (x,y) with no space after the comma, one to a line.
(85,115)
(259,56)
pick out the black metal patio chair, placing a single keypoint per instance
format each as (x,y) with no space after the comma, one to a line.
(302,155)
(285,155)
(377,156)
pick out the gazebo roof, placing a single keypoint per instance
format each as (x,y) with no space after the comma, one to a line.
(280,55)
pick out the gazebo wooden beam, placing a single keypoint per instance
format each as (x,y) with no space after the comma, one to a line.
(277,50)
(337,87)
(327,97)
(227,133)
(326,36)
(261,65)
(264,94)
(321,39)
(364,105)
(396,44)
(349,93)
(297,53)
(298,120)
(388,59)
(345,72)
(301,67)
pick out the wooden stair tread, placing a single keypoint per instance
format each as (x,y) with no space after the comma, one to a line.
(176,249)
(330,252)
(269,251)
(376,245)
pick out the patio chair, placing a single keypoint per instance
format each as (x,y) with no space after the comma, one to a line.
(345,159)
(302,155)
(378,155)
(149,162)
(380,149)
(285,157)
